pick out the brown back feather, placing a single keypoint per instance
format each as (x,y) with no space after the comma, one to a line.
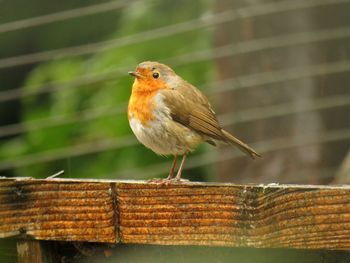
(192,109)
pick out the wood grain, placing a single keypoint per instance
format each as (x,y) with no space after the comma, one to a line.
(231,215)
(309,217)
(57,210)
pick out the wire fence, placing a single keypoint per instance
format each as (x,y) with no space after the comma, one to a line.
(193,57)
(206,21)
(166,31)
(62,16)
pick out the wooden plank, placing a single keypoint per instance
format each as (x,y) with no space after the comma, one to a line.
(289,216)
(308,217)
(57,210)
(29,251)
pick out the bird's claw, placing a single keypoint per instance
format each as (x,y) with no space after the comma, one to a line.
(167,181)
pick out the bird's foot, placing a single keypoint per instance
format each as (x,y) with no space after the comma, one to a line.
(168,181)
(157,180)
(177,180)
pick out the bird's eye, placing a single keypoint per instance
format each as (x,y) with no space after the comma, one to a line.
(155,75)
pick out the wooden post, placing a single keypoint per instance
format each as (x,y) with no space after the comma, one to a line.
(30,251)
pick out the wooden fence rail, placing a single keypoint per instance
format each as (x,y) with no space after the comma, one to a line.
(211,214)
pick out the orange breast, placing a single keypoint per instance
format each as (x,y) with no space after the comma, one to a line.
(141,103)
(141,106)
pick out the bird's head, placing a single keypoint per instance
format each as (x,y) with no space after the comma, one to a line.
(151,75)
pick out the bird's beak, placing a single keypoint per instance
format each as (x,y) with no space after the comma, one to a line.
(135,74)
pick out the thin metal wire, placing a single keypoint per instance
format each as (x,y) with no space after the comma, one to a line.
(267,43)
(192,57)
(263,147)
(248,81)
(198,23)
(91,48)
(290,74)
(127,141)
(284,109)
(13,94)
(69,152)
(58,120)
(63,15)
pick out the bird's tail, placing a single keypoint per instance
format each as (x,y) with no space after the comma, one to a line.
(241,145)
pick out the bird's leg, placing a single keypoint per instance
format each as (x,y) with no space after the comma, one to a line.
(172,169)
(171,179)
(178,175)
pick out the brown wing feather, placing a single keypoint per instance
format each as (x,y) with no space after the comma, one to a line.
(192,109)
(192,114)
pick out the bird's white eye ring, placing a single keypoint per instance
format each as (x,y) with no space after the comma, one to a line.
(155,75)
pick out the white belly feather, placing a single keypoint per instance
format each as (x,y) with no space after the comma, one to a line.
(163,135)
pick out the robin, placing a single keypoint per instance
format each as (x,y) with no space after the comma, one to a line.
(171,117)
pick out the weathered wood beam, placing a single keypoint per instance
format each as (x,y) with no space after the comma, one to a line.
(290,216)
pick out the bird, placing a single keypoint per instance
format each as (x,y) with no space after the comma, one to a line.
(172,117)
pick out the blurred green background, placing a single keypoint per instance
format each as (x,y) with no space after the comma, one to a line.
(72,111)
(277,73)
